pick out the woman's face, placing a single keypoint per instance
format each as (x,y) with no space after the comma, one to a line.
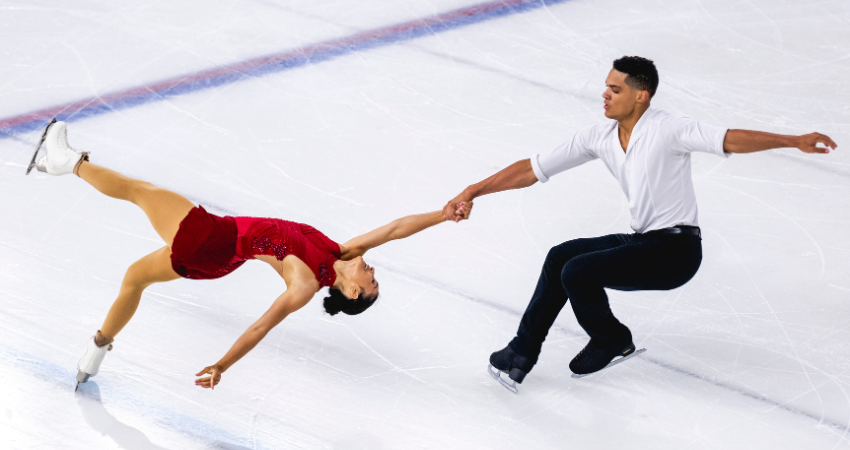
(364,275)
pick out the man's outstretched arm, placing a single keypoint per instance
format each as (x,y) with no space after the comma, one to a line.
(745,141)
(516,176)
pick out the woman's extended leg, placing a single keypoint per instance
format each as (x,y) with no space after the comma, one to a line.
(153,268)
(165,209)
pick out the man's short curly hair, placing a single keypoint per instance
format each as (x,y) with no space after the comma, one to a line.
(641,73)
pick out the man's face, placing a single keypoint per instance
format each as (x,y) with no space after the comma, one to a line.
(620,99)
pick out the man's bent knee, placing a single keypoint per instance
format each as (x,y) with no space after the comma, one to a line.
(560,255)
(577,281)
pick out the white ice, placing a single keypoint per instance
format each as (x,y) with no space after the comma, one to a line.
(753,353)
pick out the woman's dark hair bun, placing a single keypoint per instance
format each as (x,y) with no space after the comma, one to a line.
(336,302)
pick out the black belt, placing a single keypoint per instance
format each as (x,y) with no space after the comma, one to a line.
(679,229)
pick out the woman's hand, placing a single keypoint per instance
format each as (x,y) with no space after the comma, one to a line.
(464,209)
(209,382)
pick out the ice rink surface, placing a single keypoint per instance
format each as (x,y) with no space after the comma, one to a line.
(399,107)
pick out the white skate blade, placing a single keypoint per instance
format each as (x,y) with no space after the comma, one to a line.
(612,363)
(497,375)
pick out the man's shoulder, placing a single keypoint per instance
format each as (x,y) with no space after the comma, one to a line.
(599,130)
(666,118)
(660,116)
(667,122)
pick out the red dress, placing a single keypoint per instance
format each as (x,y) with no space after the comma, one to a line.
(207,246)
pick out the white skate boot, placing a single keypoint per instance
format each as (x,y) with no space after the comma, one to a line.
(90,362)
(60,158)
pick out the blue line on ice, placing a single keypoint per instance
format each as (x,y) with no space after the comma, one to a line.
(286,60)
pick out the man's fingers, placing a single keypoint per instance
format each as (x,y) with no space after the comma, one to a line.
(825,140)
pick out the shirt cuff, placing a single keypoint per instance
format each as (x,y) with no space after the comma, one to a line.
(538,172)
(719,148)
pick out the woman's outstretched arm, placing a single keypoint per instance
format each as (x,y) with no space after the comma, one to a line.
(296,296)
(397,229)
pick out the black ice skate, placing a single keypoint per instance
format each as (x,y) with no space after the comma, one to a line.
(508,362)
(592,359)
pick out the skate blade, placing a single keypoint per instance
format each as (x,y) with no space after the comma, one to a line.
(612,363)
(40,142)
(497,375)
(82,377)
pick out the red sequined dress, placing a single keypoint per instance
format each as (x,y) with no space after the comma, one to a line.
(208,246)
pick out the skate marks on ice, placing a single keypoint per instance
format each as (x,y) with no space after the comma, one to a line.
(100,420)
(264,65)
(94,413)
(127,437)
(668,366)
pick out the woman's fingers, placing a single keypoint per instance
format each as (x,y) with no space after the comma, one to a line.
(203,382)
(450,210)
(210,381)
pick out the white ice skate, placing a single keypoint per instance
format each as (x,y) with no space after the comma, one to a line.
(60,158)
(90,362)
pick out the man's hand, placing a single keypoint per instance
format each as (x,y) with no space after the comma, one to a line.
(516,176)
(808,143)
(746,141)
(209,382)
(464,209)
(454,211)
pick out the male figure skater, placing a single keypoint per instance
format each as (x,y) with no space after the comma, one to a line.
(649,152)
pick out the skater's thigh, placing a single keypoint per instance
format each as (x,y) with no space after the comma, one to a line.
(165,209)
(152,268)
(564,252)
(638,266)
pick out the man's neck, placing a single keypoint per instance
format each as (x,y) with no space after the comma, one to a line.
(627,124)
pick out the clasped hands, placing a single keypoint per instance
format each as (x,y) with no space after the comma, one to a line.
(458,208)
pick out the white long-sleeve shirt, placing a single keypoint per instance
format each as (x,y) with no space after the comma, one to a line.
(655,170)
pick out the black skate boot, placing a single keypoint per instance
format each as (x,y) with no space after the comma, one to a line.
(593,359)
(509,362)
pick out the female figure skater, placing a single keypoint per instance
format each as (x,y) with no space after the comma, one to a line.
(203,246)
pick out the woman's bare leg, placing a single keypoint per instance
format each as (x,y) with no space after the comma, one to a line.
(165,209)
(153,268)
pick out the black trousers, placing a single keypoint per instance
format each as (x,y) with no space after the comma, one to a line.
(581,269)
